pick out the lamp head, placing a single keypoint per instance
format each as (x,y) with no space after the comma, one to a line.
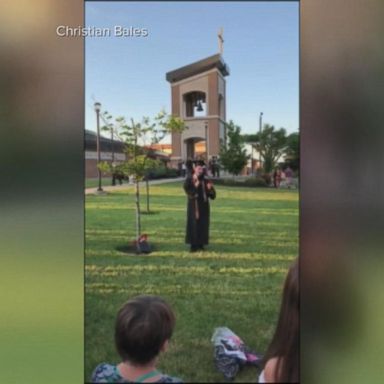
(97,106)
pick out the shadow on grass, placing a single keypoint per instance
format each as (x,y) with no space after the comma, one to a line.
(131,250)
(283,248)
(149,213)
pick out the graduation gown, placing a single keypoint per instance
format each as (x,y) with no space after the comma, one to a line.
(197,233)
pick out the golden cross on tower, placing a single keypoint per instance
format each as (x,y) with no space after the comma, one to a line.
(221,40)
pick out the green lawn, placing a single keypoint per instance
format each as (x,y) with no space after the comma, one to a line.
(236,283)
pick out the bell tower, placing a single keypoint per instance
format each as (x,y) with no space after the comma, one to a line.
(198,97)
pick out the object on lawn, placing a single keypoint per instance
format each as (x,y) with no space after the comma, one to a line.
(231,353)
(144,246)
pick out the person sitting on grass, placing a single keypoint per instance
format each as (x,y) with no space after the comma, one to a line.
(282,357)
(144,326)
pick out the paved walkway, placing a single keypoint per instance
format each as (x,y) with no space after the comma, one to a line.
(117,187)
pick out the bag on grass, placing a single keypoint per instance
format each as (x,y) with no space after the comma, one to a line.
(144,245)
(231,353)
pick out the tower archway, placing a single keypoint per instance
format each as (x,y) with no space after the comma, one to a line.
(195,148)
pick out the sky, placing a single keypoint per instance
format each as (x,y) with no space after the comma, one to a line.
(261,47)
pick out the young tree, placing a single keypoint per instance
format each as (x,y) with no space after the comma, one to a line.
(233,155)
(136,137)
(271,144)
(163,125)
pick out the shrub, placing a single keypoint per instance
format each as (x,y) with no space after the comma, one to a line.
(254,182)
(162,173)
(171,172)
(227,182)
(267,178)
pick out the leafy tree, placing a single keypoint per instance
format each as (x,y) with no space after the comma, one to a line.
(137,137)
(271,144)
(293,150)
(233,155)
(249,137)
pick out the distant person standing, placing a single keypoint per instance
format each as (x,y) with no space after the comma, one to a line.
(183,169)
(215,167)
(277,177)
(199,190)
(288,176)
(210,167)
(189,167)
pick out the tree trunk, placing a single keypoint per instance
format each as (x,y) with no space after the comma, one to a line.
(138,218)
(147,185)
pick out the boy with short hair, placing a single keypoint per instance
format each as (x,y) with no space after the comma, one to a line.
(144,326)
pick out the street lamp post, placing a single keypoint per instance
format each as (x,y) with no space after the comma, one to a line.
(113,158)
(97,107)
(260,128)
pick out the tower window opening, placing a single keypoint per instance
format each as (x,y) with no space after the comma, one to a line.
(195,104)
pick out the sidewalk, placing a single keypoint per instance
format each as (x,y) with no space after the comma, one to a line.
(111,188)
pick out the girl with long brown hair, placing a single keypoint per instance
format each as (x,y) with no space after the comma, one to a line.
(282,357)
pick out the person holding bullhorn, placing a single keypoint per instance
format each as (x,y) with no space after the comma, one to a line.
(199,190)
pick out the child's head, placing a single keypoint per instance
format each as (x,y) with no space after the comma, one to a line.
(143,327)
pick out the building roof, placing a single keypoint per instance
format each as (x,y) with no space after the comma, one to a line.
(159,155)
(215,61)
(164,148)
(156,152)
(106,145)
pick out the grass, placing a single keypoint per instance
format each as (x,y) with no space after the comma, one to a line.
(237,282)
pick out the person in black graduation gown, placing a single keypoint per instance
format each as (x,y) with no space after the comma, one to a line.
(199,190)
